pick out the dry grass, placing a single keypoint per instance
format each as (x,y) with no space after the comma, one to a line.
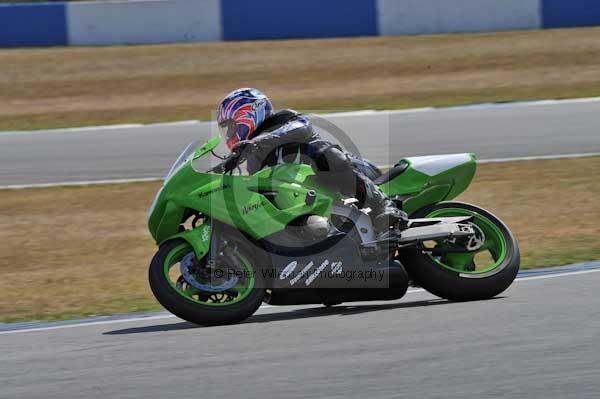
(77,251)
(74,251)
(42,88)
(552,206)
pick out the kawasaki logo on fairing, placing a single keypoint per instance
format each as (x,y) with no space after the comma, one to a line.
(214,190)
(251,208)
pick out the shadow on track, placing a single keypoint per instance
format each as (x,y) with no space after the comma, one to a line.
(290,315)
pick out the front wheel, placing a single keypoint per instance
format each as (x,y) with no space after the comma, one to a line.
(193,293)
(449,270)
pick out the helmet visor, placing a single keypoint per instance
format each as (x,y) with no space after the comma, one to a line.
(228,129)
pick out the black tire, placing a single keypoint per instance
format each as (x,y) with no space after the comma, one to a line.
(194,312)
(453,286)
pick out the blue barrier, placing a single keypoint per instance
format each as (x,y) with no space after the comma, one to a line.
(33,25)
(571,13)
(281,19)
(58,23)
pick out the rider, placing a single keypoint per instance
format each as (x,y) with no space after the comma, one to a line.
(263,137)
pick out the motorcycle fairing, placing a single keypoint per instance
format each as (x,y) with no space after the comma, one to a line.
(258,205)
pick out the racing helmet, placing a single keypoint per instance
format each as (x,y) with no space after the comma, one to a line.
(241,112)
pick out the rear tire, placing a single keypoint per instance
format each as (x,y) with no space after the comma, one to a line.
(468,285)
(193,311)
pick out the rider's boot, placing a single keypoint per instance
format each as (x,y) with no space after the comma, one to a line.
(387,216)
(384,211)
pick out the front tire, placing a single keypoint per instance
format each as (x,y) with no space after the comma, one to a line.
(458,277)
(195,306)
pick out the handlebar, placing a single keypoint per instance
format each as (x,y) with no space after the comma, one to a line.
(229,164)
(237,156)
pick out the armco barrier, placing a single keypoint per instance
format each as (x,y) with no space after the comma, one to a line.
(165,21)
(33,25)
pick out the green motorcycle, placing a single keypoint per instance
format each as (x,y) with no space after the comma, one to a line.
(228,242)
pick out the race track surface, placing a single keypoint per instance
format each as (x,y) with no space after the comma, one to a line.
(148,151)
(540,339)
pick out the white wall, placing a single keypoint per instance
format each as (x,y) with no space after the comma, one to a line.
(401,17)
(143,21)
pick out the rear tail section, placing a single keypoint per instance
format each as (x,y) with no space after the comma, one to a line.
(426,180)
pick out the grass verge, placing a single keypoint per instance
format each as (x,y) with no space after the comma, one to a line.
(76,86)
(78,251)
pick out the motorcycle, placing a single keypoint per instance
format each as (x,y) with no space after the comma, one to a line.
(228,242)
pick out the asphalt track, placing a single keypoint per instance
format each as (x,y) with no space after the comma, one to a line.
(511,130)
(540,339)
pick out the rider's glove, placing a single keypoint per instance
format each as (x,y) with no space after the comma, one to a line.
(239,153)
(241,149)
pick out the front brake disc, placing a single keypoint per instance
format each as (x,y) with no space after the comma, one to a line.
(188,265)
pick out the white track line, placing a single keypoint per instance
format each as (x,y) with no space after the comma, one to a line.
(151,179)
(512,104)
(82,129)
(264,306)
(80,183)
(91,323)
(540,158)
(555,275)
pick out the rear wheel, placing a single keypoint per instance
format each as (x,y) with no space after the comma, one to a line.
(464,271)
(203,294)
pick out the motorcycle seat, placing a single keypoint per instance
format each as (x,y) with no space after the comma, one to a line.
(391,174)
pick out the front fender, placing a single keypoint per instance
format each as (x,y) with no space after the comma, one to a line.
(199,238)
